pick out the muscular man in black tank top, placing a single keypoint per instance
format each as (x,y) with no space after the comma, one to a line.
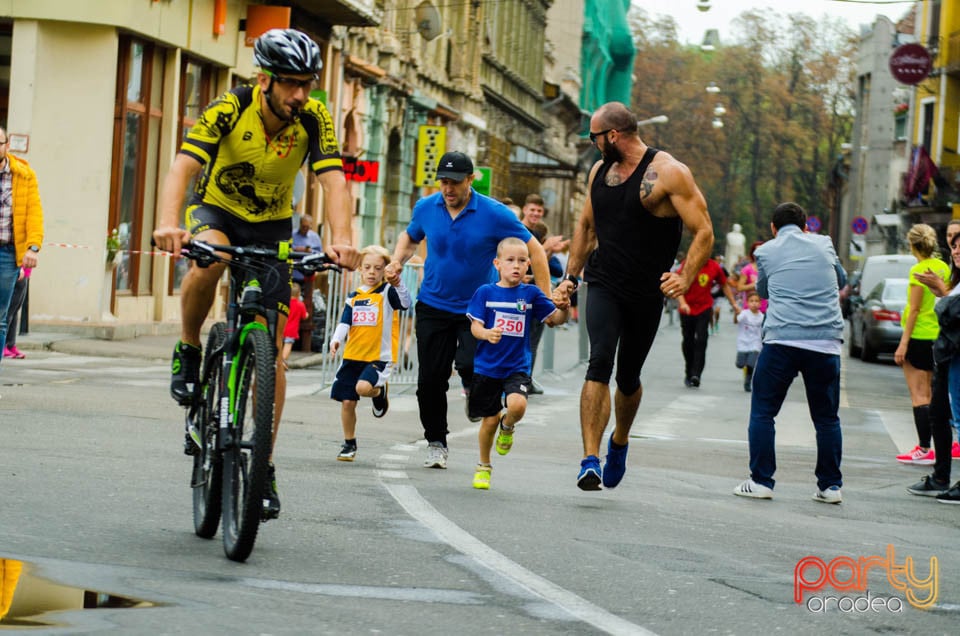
(638,202)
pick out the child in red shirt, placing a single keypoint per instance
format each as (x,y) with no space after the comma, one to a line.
(298,311)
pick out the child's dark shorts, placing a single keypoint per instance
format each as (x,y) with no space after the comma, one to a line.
(486,393)
(747,359)
(352,371)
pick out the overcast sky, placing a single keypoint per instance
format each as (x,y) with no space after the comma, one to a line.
(694,23)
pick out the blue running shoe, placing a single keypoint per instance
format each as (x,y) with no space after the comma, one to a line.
(589,478)
(616,465)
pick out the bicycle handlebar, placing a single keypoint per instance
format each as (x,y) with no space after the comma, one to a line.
(205,254)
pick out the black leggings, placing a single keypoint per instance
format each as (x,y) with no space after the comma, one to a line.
(632,322)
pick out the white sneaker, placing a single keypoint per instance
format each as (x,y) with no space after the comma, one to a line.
(436,456)
(752,489)
(830,495)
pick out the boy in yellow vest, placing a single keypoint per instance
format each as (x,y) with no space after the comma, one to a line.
(370,326)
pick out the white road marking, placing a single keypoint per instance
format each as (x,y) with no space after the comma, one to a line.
(462,541)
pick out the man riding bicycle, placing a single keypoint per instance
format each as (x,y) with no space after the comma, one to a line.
(244,152)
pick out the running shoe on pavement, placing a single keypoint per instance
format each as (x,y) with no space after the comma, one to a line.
(952,496)
(381,403)
(616,464)
(185,372)
(271,498)
(928,487)
(589,477)
(752,489)
(831,495)
(481,478)
(918,455)
(347,452)
(955,450)
(436,456)
(504,438)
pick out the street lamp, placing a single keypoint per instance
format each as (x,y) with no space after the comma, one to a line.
(659,119)
(717,122)
(719,110)
(713,88)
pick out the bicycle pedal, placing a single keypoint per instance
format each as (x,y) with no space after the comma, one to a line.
(191,444)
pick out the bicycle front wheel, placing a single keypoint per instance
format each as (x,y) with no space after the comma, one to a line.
(245,459)
(207,479)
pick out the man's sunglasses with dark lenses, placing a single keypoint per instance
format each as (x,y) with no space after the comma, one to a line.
(594,135)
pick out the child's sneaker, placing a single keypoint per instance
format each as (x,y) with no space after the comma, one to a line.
(381,403)
(504,438)
(481,478)
(347,452)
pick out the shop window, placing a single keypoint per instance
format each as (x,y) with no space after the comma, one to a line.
(133,190)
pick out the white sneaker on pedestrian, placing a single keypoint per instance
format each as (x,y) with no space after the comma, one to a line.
(752,489)
(830,495)
(436,456)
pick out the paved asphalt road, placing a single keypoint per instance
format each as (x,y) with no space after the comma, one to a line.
(94,494)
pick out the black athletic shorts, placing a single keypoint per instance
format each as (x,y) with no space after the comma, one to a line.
(920,354)
(276,282)
(486,393)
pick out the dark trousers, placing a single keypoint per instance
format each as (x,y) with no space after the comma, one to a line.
(940,420)
(443,339)
(776,368)
(13,313)
(694,330)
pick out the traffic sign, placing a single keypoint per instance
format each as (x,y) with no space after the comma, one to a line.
(813,224)
(859,225)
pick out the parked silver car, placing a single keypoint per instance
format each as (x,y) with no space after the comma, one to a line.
(875,322)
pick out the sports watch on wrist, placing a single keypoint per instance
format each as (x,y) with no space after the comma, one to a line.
(34,248)
(573,279)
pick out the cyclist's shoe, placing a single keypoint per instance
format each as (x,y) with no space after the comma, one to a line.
(271,499)
(381,403)
(191,442)
(185,372)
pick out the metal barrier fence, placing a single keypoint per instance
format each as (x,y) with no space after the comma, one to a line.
(339,286)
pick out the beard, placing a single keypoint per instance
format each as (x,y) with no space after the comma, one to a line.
(611,153)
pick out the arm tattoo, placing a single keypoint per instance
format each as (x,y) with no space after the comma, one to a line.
(646,185)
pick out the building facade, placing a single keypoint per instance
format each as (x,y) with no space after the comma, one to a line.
(99,94)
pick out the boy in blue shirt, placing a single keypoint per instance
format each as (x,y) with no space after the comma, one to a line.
(501,315)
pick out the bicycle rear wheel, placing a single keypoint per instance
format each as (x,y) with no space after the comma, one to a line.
(245,459)
(207,478)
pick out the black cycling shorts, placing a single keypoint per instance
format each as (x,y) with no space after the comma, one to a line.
(631,323)
(275,282)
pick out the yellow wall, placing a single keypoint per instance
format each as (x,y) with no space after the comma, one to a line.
(67,111)
(181,23)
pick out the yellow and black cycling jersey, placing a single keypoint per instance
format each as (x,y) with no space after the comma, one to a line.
(247,173)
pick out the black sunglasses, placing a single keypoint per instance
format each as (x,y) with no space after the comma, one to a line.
(594,135)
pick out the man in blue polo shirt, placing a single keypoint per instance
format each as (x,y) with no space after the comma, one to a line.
(463,229)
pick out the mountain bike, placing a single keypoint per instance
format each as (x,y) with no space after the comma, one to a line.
(230,420)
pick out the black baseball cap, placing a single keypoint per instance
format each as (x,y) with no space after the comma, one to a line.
(454,165)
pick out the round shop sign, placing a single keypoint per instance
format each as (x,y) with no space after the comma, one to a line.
(910,63)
